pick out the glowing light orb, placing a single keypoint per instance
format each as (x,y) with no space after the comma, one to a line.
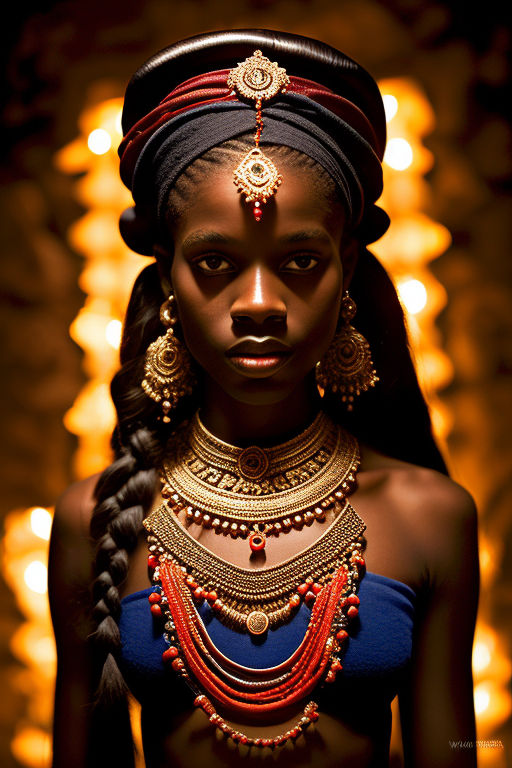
(481,656)
(36,577)
(390,106)
(99,141)
(482,698)
(113,332)
(413,295)
(398,154)
(41,522)
(118,123)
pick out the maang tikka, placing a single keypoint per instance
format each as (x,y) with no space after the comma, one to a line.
(257,79)
(347,367)
(168,368)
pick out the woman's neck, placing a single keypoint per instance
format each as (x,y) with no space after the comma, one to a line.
(246,424)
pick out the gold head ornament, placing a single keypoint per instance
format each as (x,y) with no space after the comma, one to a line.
(257,79)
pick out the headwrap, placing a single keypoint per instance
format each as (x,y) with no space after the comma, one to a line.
(203,112)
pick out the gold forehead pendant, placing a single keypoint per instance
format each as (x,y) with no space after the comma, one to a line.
(257,79)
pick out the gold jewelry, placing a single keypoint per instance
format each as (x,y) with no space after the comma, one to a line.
(168,371)
(257,79)
(253,599)
(259,492)
(347,366)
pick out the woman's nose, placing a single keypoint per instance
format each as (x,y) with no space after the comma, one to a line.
(259,299)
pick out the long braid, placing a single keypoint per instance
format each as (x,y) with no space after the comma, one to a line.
(124,494)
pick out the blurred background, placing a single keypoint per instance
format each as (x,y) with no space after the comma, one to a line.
(65,277)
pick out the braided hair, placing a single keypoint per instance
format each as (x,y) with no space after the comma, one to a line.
(125,491)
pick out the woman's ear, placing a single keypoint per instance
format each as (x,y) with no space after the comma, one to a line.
(163,258)
(349,256)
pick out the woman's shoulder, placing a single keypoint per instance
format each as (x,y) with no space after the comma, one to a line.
(439,514)
(71,548)
(416,489)
(75,505)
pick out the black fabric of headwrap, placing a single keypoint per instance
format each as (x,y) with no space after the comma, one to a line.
(294,121)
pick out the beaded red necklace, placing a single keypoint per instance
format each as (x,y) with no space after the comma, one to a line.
(325,575)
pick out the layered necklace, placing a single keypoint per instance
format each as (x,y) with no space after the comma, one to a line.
(255,493)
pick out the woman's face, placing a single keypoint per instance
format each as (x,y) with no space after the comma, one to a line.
(258,302)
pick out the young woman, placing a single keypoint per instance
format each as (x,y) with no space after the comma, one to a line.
(309,558)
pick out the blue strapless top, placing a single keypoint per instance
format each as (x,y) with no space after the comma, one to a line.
(376,657)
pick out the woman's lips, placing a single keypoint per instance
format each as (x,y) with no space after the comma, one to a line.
(258,364)
(258,356)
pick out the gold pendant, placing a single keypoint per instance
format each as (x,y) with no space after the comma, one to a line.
(258,78)
(256,177)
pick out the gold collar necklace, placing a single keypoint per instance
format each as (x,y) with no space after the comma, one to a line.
(257,492)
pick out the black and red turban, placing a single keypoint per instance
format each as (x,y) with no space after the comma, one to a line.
(178,105)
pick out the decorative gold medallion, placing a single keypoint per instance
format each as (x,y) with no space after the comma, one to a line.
(256,177)
(258,78)
(253,463)
(257,622)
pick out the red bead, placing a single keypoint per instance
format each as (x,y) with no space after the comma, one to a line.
(341,635)
(353,600)
(155,597)
(199,593)
(217,606)
(316,588)
(313,716)
(152,561)
(191,582)
(177,665)
(294,601)
(257,213)
(336,666)
(257,542)
(170,654)
(310,598)
(211,596)
(243,739)
(156,610)
(352,611)
(302,589)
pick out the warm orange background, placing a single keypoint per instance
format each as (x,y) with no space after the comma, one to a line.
(70,57)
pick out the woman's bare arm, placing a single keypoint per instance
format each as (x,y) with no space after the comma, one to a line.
(436,703)
(69,579)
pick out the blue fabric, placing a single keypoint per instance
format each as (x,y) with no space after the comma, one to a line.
(376,657)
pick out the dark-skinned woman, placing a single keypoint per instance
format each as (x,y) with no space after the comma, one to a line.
(276,551)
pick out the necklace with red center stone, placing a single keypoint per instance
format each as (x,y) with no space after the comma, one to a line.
(259,492)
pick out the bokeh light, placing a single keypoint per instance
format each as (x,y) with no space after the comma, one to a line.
(113,332)
(398,154)
(41,522)
(36,577)
(99,141)
(390,106)
(413,295)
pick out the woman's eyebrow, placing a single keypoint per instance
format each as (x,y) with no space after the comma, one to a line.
(201,236)
(306,234)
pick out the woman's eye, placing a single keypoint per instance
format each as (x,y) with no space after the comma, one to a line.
(213,264)
(302,263)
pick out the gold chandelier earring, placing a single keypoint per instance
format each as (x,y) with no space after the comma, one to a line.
(168,368)
(347,367)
